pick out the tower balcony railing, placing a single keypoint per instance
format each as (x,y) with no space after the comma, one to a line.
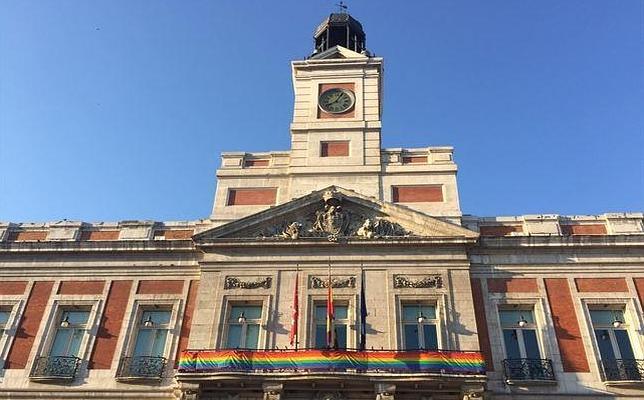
(619,370)
(528,370)
(55,368)
(141,367)
(247,361)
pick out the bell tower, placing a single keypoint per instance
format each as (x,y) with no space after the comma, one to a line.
(335,131)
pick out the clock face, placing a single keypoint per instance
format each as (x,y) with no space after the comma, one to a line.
(337,100)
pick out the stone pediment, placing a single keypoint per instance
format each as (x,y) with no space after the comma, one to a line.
(337,52)
(335,214)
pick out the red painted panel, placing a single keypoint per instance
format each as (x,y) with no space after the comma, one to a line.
(571,346)
(21,236)
(512,285)
(12,287)
(639,286)
(250,197)
(160,287)
(499,230)
(415,160)
(110,326)
(187,319)
(481,323)
(594,229)
(81,287)
(29,324)
(601,285)
(255,163)
(417,194)
(99,235)
(334,149)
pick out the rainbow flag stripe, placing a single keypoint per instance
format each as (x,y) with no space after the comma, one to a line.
(440,362)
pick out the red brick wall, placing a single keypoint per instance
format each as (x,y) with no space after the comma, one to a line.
(415,160)
(187,319)
(512,285)
(481,323)
(571,346)
(248,197)
(255,163)
(416,194)
(160,287)
(110,326)
(334,149)
(81,287)
(326,86)
(28,326)
(176,234)
(594,229)
(639,286)
(12,287)
(499,230)
(27,235)
(601,285)
(99,235)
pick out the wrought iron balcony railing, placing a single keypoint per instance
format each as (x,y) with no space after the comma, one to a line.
(55,367)
(141,367)
(528,369)
(623,370)
(442,362)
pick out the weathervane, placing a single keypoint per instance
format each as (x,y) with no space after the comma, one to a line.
(343,7)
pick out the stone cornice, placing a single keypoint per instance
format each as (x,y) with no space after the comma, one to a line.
(186,245)
(556,241)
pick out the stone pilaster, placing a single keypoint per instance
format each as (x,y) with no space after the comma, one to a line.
(385,391)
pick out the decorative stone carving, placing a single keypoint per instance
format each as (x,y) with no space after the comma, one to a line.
(316,282)
(329,396)
(385,391)
(334,221)
(233,282)
(424,282)
(272,391)
(292,231)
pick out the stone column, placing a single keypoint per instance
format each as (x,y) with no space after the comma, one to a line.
(190,391)
(272,391)
(385,391)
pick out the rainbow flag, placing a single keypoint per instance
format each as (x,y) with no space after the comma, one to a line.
(416,361)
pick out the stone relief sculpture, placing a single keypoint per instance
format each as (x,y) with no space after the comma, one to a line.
(424,282)
(333,221)
(233,282)
(316,282)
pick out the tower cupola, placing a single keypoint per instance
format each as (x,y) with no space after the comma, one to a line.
(340,29)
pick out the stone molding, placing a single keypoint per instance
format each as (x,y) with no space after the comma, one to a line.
(337,282)
(233,282)
(418,281)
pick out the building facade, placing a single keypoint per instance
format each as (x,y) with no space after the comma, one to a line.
(428,303)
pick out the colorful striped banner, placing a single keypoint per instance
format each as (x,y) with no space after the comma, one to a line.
(418,361)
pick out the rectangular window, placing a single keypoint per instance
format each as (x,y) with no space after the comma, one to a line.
(243,326)
(334,149)
(152,333)
(417,194)
(615,350)
(519,334)
(419,326)
(69,333)
(5,313)
(340,325)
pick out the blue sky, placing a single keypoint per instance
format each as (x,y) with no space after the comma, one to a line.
(115,110)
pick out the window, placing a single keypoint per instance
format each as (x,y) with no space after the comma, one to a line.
(147,358)
(615,349)
(243,326)
(340,325)
(4,319)
(419,326)
(62,359)
(519,334)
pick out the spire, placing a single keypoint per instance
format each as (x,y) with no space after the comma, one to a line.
(340,29)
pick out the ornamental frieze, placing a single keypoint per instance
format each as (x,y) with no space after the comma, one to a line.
(338,282)
(233,282)
(418,281)
(332,221)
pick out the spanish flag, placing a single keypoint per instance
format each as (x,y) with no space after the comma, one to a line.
(330,315)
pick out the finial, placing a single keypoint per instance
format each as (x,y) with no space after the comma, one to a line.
(342,7)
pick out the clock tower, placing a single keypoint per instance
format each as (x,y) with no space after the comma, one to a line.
(335,130)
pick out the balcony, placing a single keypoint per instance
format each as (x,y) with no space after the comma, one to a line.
(443,363)
(623,370)
(55,368)
(528,370)
(141,368)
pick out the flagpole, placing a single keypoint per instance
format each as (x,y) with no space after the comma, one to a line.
(363,311)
